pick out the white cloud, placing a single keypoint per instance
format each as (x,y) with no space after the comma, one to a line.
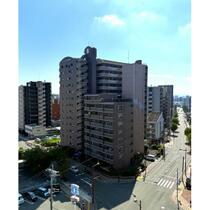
(148,16)
(184,30)
(110,20)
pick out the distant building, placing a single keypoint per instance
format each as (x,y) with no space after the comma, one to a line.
(160,99)
(35,104)
(155,126)
(55,107)
(35,130)
(87,75)
(187,103)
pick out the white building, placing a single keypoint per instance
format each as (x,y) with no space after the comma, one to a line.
(35,130)
(155,126)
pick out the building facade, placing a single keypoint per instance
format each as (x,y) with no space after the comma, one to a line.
(88,75)
(55,107)
(35,130)
(108,130)
(160,99)
(35,104)
(155,127)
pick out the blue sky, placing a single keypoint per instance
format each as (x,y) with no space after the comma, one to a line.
(158,32)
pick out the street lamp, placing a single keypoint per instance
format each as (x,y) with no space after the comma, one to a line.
(93,185)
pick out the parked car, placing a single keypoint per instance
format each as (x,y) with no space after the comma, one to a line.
(20,199)
(43,192)
(74,169)
(150,157)
(30,196)
(188,183)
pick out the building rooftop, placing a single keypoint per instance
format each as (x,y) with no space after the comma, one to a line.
(153,116)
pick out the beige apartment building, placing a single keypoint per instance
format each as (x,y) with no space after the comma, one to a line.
(82,77)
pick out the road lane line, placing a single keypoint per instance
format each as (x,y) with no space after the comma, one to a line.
(159,181)
(166,183)
(171,185)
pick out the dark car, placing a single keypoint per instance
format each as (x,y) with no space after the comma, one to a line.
(188,183)
(43,192)
(30,196)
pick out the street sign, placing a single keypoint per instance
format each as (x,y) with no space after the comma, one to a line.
(75,199)
(74,189)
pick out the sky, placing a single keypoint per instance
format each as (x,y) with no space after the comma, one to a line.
(158,32)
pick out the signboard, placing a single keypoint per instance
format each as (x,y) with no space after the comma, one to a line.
(75,199)
(74,189)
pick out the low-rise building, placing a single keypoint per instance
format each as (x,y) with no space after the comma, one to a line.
(155,127)
(35,130)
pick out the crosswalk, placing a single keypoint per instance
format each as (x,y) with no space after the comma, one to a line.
(166,183)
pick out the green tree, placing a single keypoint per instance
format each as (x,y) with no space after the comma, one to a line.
(21,153)
(174,127)
(37,159)
(187,131)
(176,115)
(63,167)
(175,121)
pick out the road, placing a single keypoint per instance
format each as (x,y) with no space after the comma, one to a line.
(156,192)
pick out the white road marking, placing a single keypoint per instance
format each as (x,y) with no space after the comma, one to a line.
(159,181)
(166,183)
(171,185)
(163,183)
(86,182)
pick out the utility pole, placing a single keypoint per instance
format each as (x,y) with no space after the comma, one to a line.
(140,205)
(93,186)
(164,151)
(185,162)
(177,189)
(51,189)
(93,191)
(183,169)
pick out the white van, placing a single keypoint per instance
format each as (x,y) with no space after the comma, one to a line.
(20,199)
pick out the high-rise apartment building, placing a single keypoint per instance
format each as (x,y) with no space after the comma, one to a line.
(82,77)
(35,104)
(160,99)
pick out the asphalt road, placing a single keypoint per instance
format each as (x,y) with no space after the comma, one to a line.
(156,192)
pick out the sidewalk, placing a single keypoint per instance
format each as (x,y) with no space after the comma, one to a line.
(184,195)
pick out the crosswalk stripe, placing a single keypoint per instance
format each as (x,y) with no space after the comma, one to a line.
(163,183)
(159,182)
(171,185)
(166,183)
